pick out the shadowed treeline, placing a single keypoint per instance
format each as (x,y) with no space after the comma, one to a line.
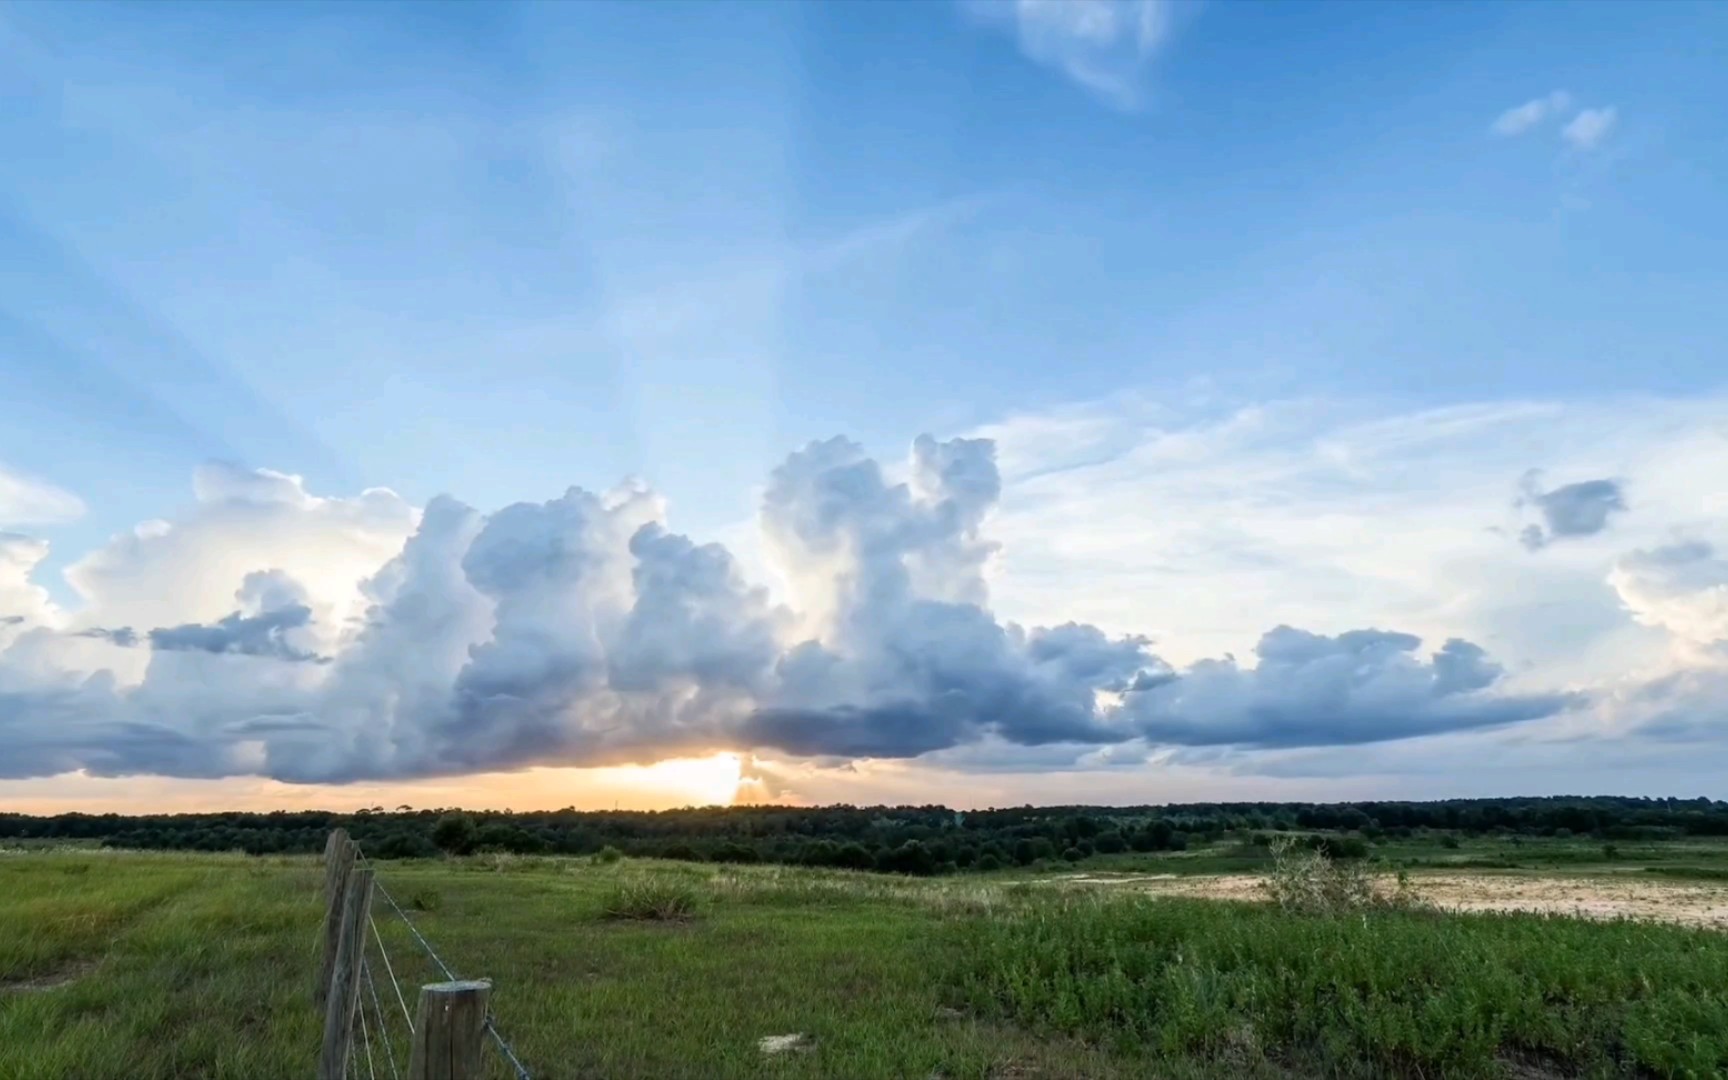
(904,839)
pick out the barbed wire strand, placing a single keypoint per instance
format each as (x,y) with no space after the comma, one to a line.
(509,1054)
(491,1026)
(366,1031)
(383,1029)
(412,929)
(394,984)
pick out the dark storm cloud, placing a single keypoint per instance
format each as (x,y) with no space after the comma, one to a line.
(1313,690)
(1580,509)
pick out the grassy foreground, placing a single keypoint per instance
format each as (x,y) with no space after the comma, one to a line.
(140,966)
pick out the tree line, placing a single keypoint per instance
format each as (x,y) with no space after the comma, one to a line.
(895,839)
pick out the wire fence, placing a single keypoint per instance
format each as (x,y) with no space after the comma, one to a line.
(383,1044)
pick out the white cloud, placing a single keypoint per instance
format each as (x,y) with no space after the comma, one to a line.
(1590,127)
(1104,45)
(582,631)
(25,501)
(1333,515)
(187,570)
(1522,118)
(23,603)
(1680,587)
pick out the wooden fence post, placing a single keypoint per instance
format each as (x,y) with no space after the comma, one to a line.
(339,853)
(450,1031)
(344,989)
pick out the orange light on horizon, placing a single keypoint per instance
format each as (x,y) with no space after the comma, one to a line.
(706,781)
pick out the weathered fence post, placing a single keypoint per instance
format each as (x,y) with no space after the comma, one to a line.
(344,989)
(450,1031)
(339,852)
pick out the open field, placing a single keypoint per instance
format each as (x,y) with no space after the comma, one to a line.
(1625,896)
(145,966)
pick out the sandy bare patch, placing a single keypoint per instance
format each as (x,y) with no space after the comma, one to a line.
(1685,903)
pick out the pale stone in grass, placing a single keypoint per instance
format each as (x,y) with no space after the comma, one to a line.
(796,1043)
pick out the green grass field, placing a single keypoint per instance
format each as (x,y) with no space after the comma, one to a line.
(140,966)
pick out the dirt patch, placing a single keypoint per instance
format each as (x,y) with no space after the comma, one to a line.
(43,983)
(1684,903)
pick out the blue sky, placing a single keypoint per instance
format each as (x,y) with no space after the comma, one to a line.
(492,251)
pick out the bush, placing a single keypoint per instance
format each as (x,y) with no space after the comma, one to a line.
(1305,881)
(608,855)
(987,862)
(649,900)
(1073,854)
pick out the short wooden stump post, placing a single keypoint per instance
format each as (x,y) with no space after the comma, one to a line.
(450,1031)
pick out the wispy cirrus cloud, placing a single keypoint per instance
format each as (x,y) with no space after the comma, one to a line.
(27,501)
(1105,46)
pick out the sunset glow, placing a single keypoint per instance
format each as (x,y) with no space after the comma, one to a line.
(708,781)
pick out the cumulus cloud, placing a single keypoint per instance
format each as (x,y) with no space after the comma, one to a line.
(1682,588)
(582,630)
(22,601)
(1104,45)
(1357,687)
(1574,510)
(1590,127)
(1530,115)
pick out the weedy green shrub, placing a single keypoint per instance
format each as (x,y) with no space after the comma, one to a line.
(424,900)
(649,899)
(608,855)
(1402,993)
(1309,882)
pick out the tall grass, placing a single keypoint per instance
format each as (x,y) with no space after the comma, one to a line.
(1391,993)
(649,899)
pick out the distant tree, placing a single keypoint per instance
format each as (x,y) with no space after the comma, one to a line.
(455,833)
(403,844)
(854,856)
(1109,842)
(1073,854)
(912,857)
(734,852)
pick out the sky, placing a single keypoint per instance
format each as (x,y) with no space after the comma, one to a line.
(1043,401)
